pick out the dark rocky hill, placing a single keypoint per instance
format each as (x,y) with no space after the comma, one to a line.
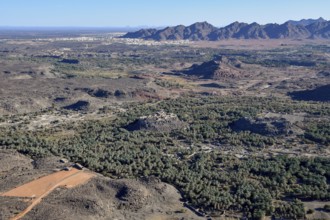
(318,28)
(219,68)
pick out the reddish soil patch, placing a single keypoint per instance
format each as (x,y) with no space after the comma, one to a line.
(40,188)
(78,179)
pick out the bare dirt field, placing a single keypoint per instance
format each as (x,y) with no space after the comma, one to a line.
(40,188)
(43,185)
(80,178)
(318,207)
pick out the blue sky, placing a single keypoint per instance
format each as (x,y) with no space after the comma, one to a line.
(120,13)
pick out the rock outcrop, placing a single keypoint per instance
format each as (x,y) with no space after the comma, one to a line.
(219,68)
(160,121)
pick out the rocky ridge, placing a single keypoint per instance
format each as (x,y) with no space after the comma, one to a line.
(220,67)
(303,29)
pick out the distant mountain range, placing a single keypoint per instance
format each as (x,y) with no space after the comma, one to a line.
(305,22)
(306,28)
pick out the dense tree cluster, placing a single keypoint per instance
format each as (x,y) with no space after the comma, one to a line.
(319,132)
(208,180)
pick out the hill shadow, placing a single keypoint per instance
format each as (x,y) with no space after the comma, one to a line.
(213,85)
(321,94)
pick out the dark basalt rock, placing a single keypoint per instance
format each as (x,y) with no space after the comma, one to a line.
(213,85)
(78,106)
(120,93)
(59,99)
(100,93)
(70,61)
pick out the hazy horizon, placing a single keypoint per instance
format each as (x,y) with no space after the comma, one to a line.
(112,28)
(144,13)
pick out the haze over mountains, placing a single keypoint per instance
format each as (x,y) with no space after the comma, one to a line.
(303,29)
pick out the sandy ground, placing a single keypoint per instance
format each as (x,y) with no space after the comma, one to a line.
(40,188)
(319,213)
(78,179)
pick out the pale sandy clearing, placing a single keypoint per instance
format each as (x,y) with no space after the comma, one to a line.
(40,188)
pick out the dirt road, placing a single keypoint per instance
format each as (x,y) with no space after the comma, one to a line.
(40,188)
